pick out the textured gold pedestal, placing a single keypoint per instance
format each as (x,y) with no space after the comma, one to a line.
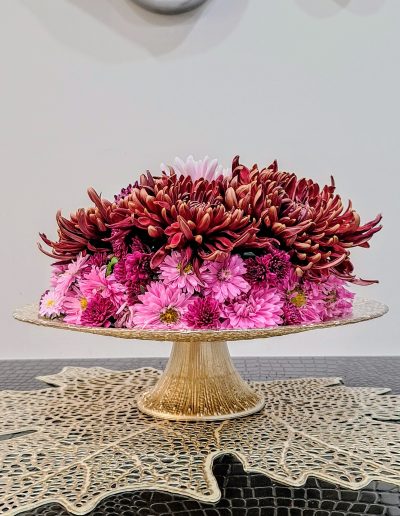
(200,382)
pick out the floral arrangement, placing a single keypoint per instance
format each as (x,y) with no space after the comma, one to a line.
(203,247)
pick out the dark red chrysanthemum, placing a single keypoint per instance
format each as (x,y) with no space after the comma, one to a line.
(309,222)
(208,220)
(86,231)
(177,213)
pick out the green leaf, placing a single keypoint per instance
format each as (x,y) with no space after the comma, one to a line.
(248,254)
(111,264)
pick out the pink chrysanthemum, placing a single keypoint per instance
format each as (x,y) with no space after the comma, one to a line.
(224,280)
(73,305)
(203,313)
(97,282)
(177,274)
(260,308)
(337,301)
(98,312)
(124,317)
(203,169)
(303,303)
(160,307)
(50,304)
(73,271)
(57,269)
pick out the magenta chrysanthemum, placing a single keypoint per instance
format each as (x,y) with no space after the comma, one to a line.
(225,280)
(160,307)
(260,308)
(133,291)
(277,264)
(119,247)
(291,315)
(98,312)
(203,313)
(123,193)
(134,267)
(256,271)
(270,268)
(97,260)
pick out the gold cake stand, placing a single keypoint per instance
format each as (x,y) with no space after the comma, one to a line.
(200,382)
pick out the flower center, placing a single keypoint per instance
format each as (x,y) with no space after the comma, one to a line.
(50,303)
(331,297)
(170,315)
(297,298)
(83,302)
(186,270)
(207,317)
(224,274)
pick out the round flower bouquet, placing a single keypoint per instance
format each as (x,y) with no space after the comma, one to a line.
(203,247)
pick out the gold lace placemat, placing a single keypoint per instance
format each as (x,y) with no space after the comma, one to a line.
(85,439)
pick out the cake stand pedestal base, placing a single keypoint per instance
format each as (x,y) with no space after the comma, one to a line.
(200,382)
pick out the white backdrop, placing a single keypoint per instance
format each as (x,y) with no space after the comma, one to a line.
(94,91)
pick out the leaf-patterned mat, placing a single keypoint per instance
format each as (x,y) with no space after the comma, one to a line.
(85,440)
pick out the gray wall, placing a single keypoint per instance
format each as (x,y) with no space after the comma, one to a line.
(93,91)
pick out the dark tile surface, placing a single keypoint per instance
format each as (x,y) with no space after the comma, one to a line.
(242,493)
